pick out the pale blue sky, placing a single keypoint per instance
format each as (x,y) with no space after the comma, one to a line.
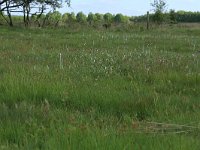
(127,7)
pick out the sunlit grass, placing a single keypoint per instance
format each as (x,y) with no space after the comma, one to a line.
(109,81)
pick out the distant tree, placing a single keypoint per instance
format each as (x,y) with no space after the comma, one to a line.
(81,17)
(91,18)
(159,7)
(99,19)
(69,19)
(158,17)
(65,17)
(172,16)
(54,18)
(108,18)
(72,17)
(119,18)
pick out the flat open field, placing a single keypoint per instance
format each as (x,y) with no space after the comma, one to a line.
(90,89)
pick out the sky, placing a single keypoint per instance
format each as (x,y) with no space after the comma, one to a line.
(127,7)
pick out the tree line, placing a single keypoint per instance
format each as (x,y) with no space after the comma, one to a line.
(172,17)
(43,13)
(55,18)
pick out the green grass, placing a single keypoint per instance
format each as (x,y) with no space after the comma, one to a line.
(111,86)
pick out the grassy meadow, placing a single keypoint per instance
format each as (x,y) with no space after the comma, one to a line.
(99,89)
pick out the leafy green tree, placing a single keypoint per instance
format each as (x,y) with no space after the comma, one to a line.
(91,18)
(99,19)
(108,17)
(81,17)
(65,17)
(54,18)
(158,17)
(72,17)
(119,18)
(159,7)
(172,16)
